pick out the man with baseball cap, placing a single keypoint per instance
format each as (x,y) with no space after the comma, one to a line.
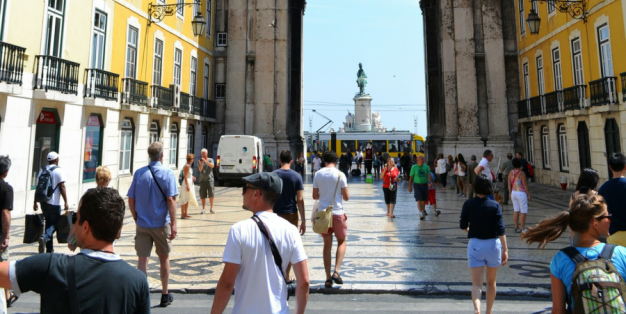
(52,208)
(250,265)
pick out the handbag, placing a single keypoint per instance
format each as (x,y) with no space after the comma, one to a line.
(324,219)
(33,228)
(63,227)
(392,185)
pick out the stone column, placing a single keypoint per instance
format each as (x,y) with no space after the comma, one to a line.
(236,67)
(280,109)
(494,65)
(448,64)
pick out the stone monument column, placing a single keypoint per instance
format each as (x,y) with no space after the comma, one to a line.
(448,64)
(363,112)
(236,65)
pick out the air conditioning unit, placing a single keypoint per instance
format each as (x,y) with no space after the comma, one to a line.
(175,88)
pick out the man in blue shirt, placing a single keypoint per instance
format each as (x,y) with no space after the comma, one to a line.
(152,201)
(613,192)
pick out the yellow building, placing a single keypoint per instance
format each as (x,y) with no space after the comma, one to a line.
(572,80)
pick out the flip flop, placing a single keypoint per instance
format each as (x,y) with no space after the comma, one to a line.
(337,279)
(12,299)
(393,216)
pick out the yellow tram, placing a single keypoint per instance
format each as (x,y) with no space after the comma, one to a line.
(394,142)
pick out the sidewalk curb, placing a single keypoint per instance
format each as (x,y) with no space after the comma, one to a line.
(539,292)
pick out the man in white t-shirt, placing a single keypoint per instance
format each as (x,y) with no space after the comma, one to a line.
(483,167)
(249,265)
(52,208)
(315,164)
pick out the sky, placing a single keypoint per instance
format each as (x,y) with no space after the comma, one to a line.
(387,37)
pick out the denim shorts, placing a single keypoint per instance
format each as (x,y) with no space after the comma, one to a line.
(484,252)
(420,192)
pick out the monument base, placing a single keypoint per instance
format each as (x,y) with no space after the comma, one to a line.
(363,112)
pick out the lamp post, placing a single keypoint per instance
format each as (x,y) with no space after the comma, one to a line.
(157,12)
(533,22)
(577,9)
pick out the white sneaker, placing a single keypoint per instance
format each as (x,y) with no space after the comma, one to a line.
(202,212)
(212,211)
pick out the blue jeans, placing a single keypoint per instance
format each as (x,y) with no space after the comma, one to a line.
(51,214)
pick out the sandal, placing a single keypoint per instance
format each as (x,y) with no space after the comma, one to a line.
(393,216)
(12,298)
(328,283)
(337,279)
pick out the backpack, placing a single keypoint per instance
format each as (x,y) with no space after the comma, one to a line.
(531,171)
(44,190)
(180,178)
(597,286)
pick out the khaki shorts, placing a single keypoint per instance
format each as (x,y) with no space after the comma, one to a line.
(463,179)
(144,238)
(292,218)
(207,189)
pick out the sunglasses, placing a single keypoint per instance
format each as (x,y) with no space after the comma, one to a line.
(604,216)
(246,187)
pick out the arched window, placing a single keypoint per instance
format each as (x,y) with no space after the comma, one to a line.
(126,145)
(155,131)
(174,145)
(93,146)
(611,136)
(47,130)
(530,145)
(545,146)
(584,149)
(563,156)
(190,139)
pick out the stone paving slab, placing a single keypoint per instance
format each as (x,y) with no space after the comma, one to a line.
(402,255)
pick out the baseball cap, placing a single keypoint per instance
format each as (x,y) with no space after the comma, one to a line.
(267,181)
(53,156)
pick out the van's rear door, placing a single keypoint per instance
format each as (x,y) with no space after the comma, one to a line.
(228,149)
(246,152)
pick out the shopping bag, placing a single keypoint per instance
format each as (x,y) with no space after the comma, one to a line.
(64,224)
(33,228)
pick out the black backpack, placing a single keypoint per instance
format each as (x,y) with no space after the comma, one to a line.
(44,190)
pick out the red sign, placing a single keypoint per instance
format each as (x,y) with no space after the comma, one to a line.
(47,117)
(93,121)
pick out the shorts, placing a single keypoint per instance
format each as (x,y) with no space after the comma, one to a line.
(520,201)
(420,191)
(390,196)
(463,179)
(618,238)
(340,227)
(144,237)
(484,252)
(207,189)
(432,200)
(292,218)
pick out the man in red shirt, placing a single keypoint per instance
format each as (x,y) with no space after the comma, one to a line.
(369,158)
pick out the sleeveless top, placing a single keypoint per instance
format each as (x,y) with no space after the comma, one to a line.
(516,182)
(460,167)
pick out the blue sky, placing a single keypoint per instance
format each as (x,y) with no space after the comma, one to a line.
(387,37)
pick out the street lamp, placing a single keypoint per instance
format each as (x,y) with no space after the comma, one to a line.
(157,12)
(534,22)
(198,24)
(577,9)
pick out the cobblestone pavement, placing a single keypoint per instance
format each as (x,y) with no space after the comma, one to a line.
(401,255)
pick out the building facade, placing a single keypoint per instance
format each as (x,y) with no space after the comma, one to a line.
(96,81)
(572,93)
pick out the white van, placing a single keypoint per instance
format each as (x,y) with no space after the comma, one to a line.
(238,156)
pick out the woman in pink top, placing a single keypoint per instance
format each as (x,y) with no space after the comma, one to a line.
(519,194)
(390,174)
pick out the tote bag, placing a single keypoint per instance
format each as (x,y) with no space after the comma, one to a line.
(324,218)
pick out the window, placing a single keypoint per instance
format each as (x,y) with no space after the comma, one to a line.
(222,39)
(379,146)
(190,139)
(220,91)
(584,149)
(563,156)
(174,145)
(605,51)
(577,59)
(205,138)
(98,40)
(192,76)
(540,85)
(347,146)
(535,6)
(180,8)
(126,146)
(206,81)
(545,146)
(611,136)
(158,63)
(530,142)
(526,81)
(54,28)
(154,132)
(131,52)
(556,68)
(46,140)
(178,59)
(93,148)
(551,6)
(196,7)
(208,18)
(522,18)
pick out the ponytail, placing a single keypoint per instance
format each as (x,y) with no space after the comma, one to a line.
(547,230)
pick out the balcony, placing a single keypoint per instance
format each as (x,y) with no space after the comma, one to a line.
(56,74)
(220,91)
(210,109)
(623,76)
(523,109)
(101,84)
(161,97)
(536,105)
(135,92)
(603,91)
(198,106)
(574,97)
(11,63)
(185,101)
(554,102)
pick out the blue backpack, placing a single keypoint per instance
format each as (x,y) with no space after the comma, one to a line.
(44,190)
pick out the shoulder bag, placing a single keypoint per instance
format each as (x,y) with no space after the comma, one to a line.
(157,183)
(392,184)
(324,218)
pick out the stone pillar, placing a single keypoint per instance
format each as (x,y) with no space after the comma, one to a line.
(363,113)
(494,66)
(236,67)
(281,110)
(448,64)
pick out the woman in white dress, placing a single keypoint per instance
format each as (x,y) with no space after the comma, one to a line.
(187,191)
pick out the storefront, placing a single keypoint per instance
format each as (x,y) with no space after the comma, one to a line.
(93,147)
(47,129)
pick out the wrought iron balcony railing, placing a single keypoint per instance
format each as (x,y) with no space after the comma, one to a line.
(536,106)
(220,91)
(11,63)
(523,108)
(198,106)
(574,97)
(210,109)
(185,100)
(554,102)
(623,76)
(603,91)
(135,92)
(52,73)
(161,97)
(101,84)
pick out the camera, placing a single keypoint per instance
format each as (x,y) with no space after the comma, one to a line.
(291,291)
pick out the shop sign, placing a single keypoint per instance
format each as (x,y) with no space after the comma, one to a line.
(47,117)
(93,121)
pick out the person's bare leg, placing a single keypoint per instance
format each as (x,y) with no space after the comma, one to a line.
(392,207)
(492,273)
(183,211)
(165,272)
(422,206)
(203,202)
(477,285)
(341,252)
(388,210)
(523,220)
(328,246)
(142,265)
(211,201)
(516,219)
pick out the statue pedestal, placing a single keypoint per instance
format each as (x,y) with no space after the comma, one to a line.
(363,114)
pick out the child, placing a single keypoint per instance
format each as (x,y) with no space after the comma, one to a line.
(432,199)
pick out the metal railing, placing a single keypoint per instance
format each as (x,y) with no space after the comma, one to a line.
(536,106)
(554,102)
(52,73)
(161,97)
(185,100)
(135,92)
(220,91)
(603,91)
(210,109)
(101,84)
(623,77)
(523,109)
(198,106)
(11,63)
(574,97)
